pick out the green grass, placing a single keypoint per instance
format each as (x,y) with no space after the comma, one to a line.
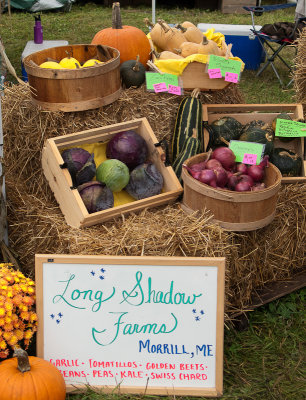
(264,361)
(81,24)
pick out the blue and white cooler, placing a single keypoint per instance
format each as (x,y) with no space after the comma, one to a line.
(245,45)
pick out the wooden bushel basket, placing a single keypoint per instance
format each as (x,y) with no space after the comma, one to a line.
(74,89)
(234,211)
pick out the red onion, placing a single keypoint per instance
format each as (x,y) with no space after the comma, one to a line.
(221,176)
(207,175)
(242,187)
(242,168)
(199,166)
(232,182)
(213,183)
(225,156)
(194,174)
(212,164)
(264,162)
(256,172)
(246,178)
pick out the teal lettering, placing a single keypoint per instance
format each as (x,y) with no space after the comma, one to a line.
(59,297)
(134,293)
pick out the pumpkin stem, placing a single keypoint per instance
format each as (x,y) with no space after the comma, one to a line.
(195,93)
(178,26)
(116,16)
(162,24)
(148,23)
(224,141)
(23,359)
(205,40)
(285,153)
(136,66)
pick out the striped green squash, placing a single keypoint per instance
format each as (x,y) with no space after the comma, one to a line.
(191,147)
(189,116)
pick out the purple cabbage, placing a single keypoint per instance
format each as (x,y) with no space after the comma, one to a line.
(80,164)
(96,196)
(145,181)
(128,147)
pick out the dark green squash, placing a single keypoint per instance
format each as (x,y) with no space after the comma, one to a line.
(287,161)
(191,147)
(189,117)
(257,123)
(258,135)
(133,73)
(282,116)
(224,129)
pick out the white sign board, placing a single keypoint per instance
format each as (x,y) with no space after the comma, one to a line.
(148,324)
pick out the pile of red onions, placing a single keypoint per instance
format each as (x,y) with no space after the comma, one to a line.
(223,172)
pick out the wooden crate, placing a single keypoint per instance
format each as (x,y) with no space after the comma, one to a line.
(69,198)
(196,76)
(266,112)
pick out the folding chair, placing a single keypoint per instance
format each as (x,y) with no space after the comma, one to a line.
(268,42)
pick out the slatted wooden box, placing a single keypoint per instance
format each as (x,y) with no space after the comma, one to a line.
(265,112)
(69,199)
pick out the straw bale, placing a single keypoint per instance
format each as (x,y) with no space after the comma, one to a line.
(300,69)
(36,224)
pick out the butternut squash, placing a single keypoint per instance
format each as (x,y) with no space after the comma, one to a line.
(187,24)
(192,34)
(157,33)
(208,47)
(167,55)
(187,49)
(173,37)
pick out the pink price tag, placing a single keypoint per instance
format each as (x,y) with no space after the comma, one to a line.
(174,89)
(160,87)
(231,77)
(249,158)
(214,73)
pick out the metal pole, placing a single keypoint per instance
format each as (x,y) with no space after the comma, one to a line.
(153,11)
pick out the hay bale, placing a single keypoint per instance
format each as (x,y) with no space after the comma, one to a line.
(300,69)
(36,224)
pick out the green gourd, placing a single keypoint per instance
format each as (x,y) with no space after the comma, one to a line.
(258,135)
(189,117)
(287,161)
(224,129)
(191,147)
(133,73)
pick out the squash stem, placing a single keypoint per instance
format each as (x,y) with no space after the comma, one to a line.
(22,359)
(136,66)
(116,16)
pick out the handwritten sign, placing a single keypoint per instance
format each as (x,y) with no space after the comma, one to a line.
(214,73)
(231,77)
(225,65)
(288,128)
(160,87)
(175,90)
(247,150)
(153,78)
(149,324)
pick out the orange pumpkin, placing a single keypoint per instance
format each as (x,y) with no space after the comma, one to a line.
(129,40)
(30,378)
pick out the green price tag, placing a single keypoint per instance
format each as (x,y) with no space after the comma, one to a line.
(287,128)
(233,66)
(245,151)
(153,78)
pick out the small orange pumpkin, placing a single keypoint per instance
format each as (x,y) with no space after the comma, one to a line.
(30,378)
(129,40)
